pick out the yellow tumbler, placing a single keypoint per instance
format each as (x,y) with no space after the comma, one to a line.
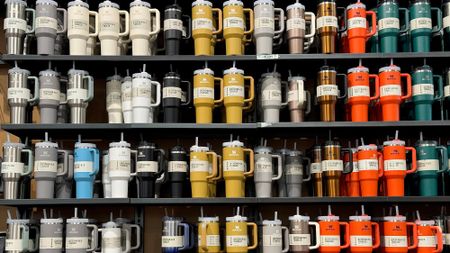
(237,234)
(234,168)
(199,170)
(208,235)
(203,28)
(204,82)
(234,26)
(234,94)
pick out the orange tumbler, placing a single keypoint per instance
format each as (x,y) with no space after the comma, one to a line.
(330,234)
(391,92)
(395,235)
(362,233)
(358,81)
(370,165)
(357,32)
(429,236)
(395,169)
(352,179)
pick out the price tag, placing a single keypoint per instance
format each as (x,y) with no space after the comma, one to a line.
(14,245)
(446,22)
(447,91)
(15,23)
(427,164)
(119,159)
(316,168)
(12,167)
(47,93)
(296,23)
(77,243)
(236,241)
(426,241)
(292,169)
(50,243)
(368,164)
(388,23)
(390,90)
(359,91)
(173,24)
(21,93)
(361,241)
(394,164)
(271,95)
(264,22)
(330,240)
(263,166)
(46,22)
(177,166)
(171,241)
(211,240)
(45,166)
(267,56)
(202,23)
(204,92)
(423,89)
(83,166)
(421,23)
(172,92)
(111,242)
(274,240)
(357,22)
(299,239)
(199,166)
(332,165)
(233,165)
(234,91)
(394,241)
(233,22)
(147,166)
(77,93)
(327,90)
(326,21)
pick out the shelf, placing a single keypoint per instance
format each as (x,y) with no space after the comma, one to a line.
(61,202)
(194,201)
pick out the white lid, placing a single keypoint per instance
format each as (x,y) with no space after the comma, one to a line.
(233,70)
(108,3)
(368,147)
(357,5)
(142,75)
(236,218)
(13,145)
(235,143)
(263,150)
(394,143)
(208,219)
(272,222)
(52,221)
(119,144)
(205,71)
(77,221)
(258,2)
(109,224)
(233,2)
(77,71)
(394,218)
(140,3)
(196,148)
(18,70)
(45,144)
(358,69)
(425,222)
(298,217)
(48,2)
(114,77)
(20,221)
(295,6)
(126,79)
(294,78)
(360,218)
(389,68)
(48,72)
(84,145)
(328,218)
(15,2)
(78,3)
(201,2)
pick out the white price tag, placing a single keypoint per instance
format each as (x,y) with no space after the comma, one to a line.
(83,166)
(296,23)
(299,239)
(77,21)
(332,165)
(177,166)
(236,241)
(330,240)
(361,241)
(45,166)
(77,93)
(292,169)
(423,89)
(46,243)
(147,166)
(394,164)
(264,22)
(111,242)
(202,23)
(142,89)
(173,24)
(359,91)
(198,166)
(50,94)
(426,241)
(316,168)
(15,23)
(327,21)
(233,22)
(233,165)
(388,23)
(77,242)
(204,92)
(394,241)
(271,95)
(14,245)
(447,91)
(21,93)
(234,91)
(421,23)
(12,167)
(446,239)
(327,90)
(211,240)
(274,240)
(46,22)
(427,164)
(172,92)
(390,90)
(367,164)
(119,159)
(263,166)
(171,241)
(357,22)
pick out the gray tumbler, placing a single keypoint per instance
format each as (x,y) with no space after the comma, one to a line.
(126,225)
(274,235)
(265,33)
(63,111)
(49,96)
(64,183)
(18,235)
(15,25)
(19,94)
(271,97)
(300,234)
(81,237)
(51,236)
(47,25)
(263,175)
(294,173)
(282,191)
(80,91)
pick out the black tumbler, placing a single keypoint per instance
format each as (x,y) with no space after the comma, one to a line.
(172,97)
(178,171)
(173,28)
(149,168)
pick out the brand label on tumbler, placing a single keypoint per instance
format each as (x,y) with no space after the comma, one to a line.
(21,93)
(272,240)
(264,22)
(14,244)
(45,166)
(142,89)
(368,164)
(108,22)
(296,23)
(332,165)
(421,23)
(83,166)
(447,91)
(202,23)
(446,239)
(172,92)
(119,159)
(77,242)
(237,241)
(46,22)
(234,91)
(271,95)
(15,23)
(177,166)
(330,240)
(12,167)
(426,241)
(78,20)
(77,93)
(299,239)
(111,242)
(211,240)
(357,22)
(263,165)
(199,166)
(316,168)
(423,89)
(147,166)
(204,92)
(50,243)
(394,241)
(233,22)
(171,241)
(327,90)
(173,24)
(427,164)
(233,165)
(294,169)
(388,23)
(297,95)
(446,22)
(390,90)
(359,91)
(327,21)
(51,94)
(361,241)
(395,164)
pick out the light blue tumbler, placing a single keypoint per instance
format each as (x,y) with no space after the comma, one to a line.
(86,166)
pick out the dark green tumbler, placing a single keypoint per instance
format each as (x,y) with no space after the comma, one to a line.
(421,25)
(432,159)
(388,14)
(424,91)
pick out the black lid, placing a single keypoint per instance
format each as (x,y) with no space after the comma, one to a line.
(178,149)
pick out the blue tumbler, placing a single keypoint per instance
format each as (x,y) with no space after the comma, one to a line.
(86,166)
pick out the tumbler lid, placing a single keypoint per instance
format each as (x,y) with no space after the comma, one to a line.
(15,2)
(178,149)
(233,70)
(328,218)
(233,2)
(18,70)
(357,5)
(208,219)
(13,145)
(426,143)
(295,5)
(19,221)
(235,143)
(52,221)
(119,144)
(48,2)
(271,74)
(205,71)
(368,147)
(114,77)
(296,78)
(201,2)
(196,148)
(126,79)
(45,144)
(78,3)
(327,68)
(48,72)
(110,224)
(394,143)
(389,68)
(236,218)
(108,3)
(263,150)
(121,221)
(360,218)
(425,222)
(298,217)
(172,75)
(142,75)
(170,218)
(272,222)
(394,218)
(85,145)
(146,144)
(140,3)
(358,69)
(77,221)
(259,2)
(77,72)
(424,68)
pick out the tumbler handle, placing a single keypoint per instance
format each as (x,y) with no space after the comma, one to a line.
(346,233)
(254,234)
(35,98)
(279,32)
(408,86)
(188,93)
(439,239)
(33,20)
(286,239)
(127,246)
(36,239)
(317,233)
(133,174)
(313,25)
(218,102)
(345,18)
(158,94)
(380,164)
(414,239)
(251,18)
(252,162)
(350,160)
(219,21)
(405,17)
(127,23)
(344,77)
(64,11)
(279,167)
(158,21)
(414,160)
(285,84)
(189,27)
(214,165)
(440,85)
(377,87)
(94,240)
(138,236)
(90,90)
(66,163)
(438,26)
(307,169)
(186,240)
(251,92)
(203,228)
(444,158)
(30,162)
(95,14)
(376,230)
(373,15)
(219,169)
(308,102)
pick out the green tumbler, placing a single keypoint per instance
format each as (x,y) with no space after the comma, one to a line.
(421,25)
(388,13)
(432,159)
(424,92)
